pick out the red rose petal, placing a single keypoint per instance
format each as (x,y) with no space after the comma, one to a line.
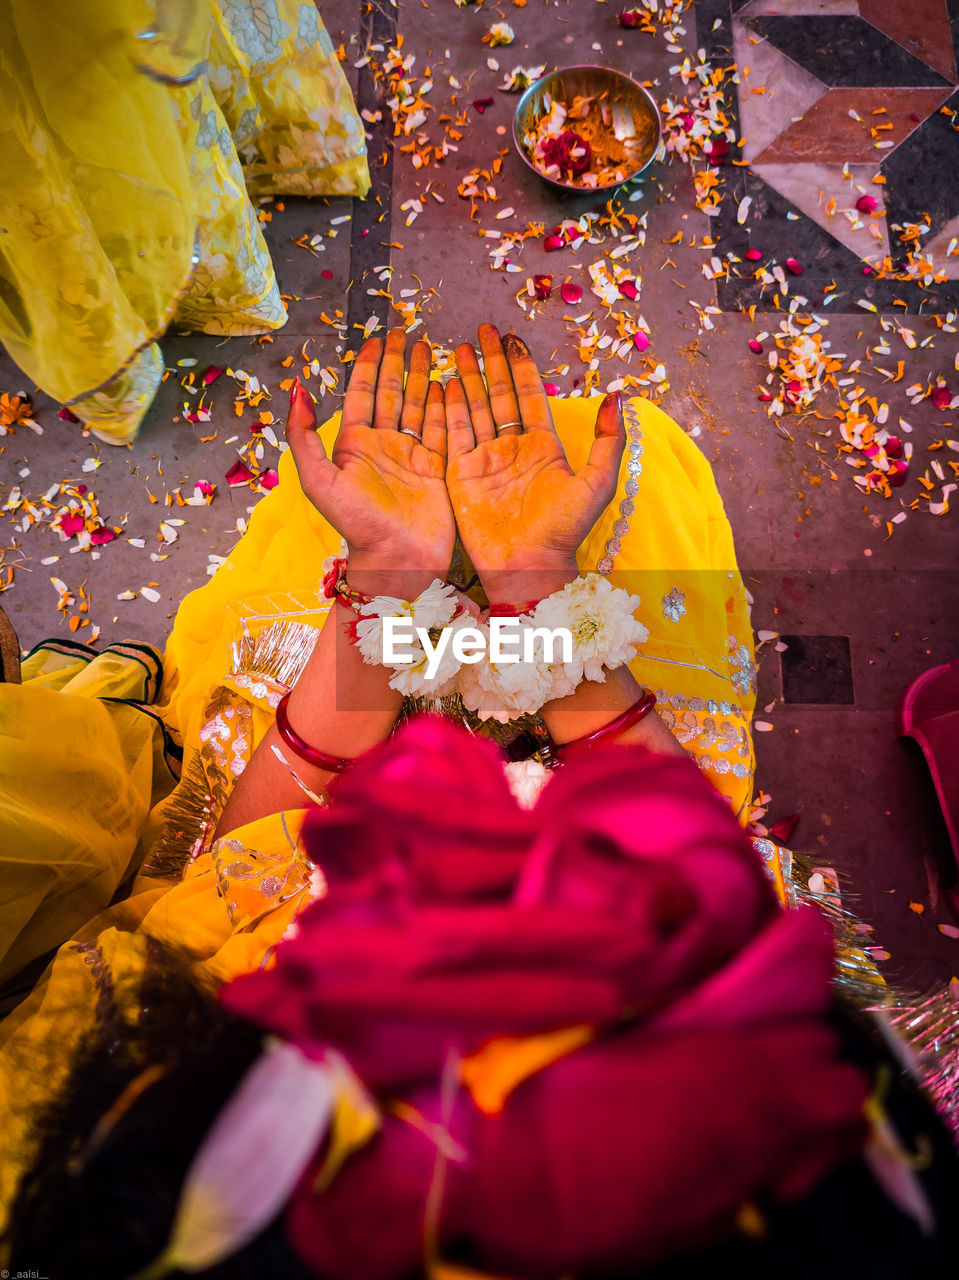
(628,289)
(570,292)
(717,150)
(640,339)
(765,396)
(755,346)
(941,397)
(630,18)
(754,255)
(867,204)
(72,523)
(239,473)
(783,829)
(482,103)
(542,286)
(894,447)
(66,415)
(81,489)
(269,479)
(793,267)
(211,375)
(327,275)
(569,151)
(897,473)
(552,388)
(101,536)
(552,243)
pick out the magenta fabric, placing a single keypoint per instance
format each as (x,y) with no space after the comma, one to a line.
(629,898)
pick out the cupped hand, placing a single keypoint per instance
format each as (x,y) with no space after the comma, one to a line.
(521,511)
(384,488)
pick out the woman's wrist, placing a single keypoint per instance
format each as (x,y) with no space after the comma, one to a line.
(374,576)
(526,583)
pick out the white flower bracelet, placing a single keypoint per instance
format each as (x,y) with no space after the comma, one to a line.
(501,666)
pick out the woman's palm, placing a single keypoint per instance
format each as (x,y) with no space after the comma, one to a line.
(515,498)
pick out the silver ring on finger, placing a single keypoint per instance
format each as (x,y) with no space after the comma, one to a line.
(508,426)
(408,431)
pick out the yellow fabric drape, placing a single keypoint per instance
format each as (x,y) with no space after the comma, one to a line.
(85,807)
(126,206)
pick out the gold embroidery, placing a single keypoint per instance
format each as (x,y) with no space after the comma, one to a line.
(226,740)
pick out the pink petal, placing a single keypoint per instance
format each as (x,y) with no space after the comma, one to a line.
(640,339)
(239,473)
(755,346)
(867,204)
(570,292)
(552,243)
(941,397)
(101,535)
(66,415)
(765,396)
(269,479)
(327,275)
(211,375)
(793,267)
(204,487)
(894,447)
(482,103)
(870,451)
(628,289)
(542,286)
(552,388)
(72,524)
(754,255)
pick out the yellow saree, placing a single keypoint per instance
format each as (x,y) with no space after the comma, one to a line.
(133,212)
(94,806)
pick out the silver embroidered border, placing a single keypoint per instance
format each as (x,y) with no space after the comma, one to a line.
(634,468)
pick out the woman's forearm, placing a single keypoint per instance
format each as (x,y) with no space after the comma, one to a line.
(339,704)
(593,705)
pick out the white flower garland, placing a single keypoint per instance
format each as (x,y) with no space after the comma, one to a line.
(598,616)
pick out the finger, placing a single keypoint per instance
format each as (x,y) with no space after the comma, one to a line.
(475,387)
(602,465)
(459,429)
(533,405)
(434,421)
(360,394)
(415,391)
(499,380)
(314,468)
(389,384)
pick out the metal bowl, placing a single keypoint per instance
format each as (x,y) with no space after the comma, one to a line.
(625,95)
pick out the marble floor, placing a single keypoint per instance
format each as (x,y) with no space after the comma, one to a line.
(795,266)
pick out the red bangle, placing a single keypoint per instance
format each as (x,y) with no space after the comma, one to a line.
(512,610)
(631,716)
(312,755)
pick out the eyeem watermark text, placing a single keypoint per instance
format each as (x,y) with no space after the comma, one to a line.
(508,641)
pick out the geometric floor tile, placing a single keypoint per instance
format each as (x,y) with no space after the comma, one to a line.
(832,95)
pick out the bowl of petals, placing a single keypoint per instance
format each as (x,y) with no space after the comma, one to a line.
(587,128)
